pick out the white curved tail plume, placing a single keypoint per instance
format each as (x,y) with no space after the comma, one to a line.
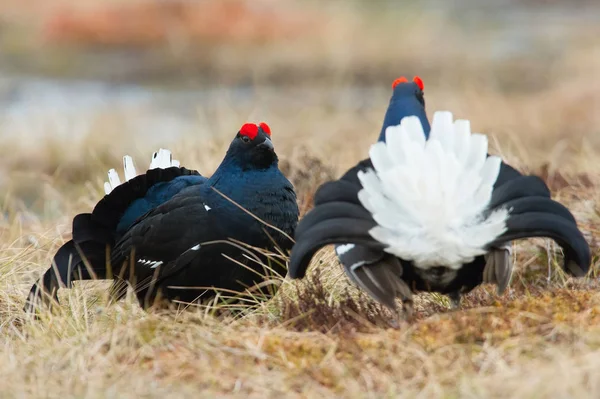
(160,159)
(429,197)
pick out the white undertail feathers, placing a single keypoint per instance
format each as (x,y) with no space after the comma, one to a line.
(161,159)
(429,197)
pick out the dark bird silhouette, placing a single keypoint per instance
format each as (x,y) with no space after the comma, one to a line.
(174,234)
(431,210)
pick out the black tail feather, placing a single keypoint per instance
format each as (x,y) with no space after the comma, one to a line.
(561,230)
(72,262)
(46,288)
(85,256)
(109,210)
(507,173)
(532,213)
(330,231)
(522,186)
(84,229)
(338,190)
(331,210)
(525,205)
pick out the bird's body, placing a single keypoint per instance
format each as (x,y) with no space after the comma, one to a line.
(176,234)
(211,212)
(431,210)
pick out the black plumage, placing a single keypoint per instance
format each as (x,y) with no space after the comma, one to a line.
(339,218)
(174,234)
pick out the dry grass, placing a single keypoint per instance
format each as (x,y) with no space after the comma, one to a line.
(321,337)
(316,338)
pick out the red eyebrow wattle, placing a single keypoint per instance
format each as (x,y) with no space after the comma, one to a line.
(265,128)
(401,79)
(249,130)
(419,82)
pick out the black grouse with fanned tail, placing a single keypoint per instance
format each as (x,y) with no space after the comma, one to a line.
(431,211)
(174,234)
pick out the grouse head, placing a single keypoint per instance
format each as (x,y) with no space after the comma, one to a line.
(407,100)
(252,147)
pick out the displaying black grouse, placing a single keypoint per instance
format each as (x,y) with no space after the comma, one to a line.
(174,233)
(431,210)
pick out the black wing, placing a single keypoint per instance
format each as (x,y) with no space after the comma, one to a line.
(166,239)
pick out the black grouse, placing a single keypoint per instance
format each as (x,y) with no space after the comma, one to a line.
(176,234)
(431,210)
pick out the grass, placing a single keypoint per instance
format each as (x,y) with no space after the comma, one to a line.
(321,337)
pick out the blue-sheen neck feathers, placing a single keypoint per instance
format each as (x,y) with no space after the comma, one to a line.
(404,102)
(235,182)
(264,193)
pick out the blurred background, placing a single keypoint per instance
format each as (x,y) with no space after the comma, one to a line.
(83,83)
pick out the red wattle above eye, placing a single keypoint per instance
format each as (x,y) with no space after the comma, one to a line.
(401,79)
(249,130)
(419,82)
(265,128)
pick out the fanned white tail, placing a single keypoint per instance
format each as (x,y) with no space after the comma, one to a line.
(161,159)
(428,197)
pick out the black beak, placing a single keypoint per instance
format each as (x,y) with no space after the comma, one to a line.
(267,144)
